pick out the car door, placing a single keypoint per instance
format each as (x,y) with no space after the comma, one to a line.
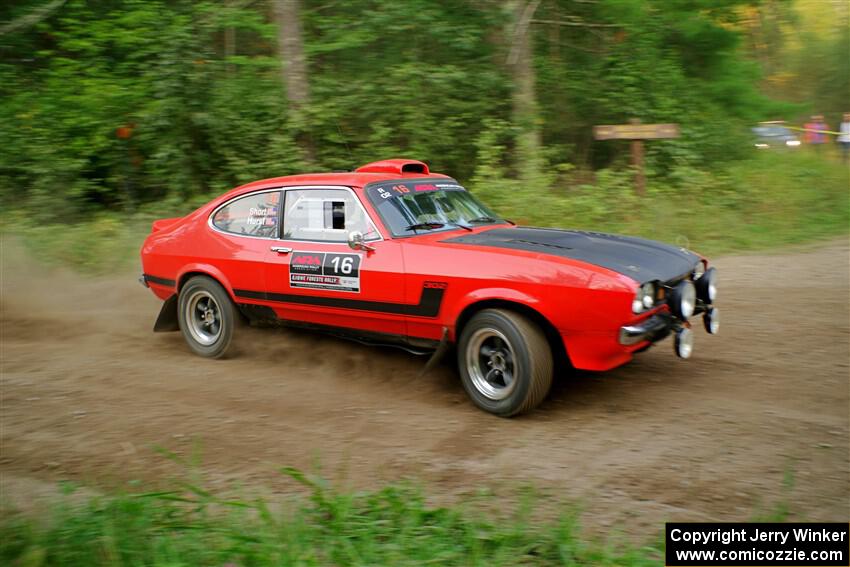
(313,276)
(237,242)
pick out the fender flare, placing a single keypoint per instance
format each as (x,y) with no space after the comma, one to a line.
(504,294)
(505,297)
(207,270)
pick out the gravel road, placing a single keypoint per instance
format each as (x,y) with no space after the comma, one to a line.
(758,417)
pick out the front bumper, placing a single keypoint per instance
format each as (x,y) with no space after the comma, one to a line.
(652,329)
(660,325)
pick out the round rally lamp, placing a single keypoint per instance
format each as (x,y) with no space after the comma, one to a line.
(707,286)
(699,270)
(683,300)
(711,320)
(684,343)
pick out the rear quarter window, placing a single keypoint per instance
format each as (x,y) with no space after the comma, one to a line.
(253,215)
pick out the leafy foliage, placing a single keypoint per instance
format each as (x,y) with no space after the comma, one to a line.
(114,104)
(416,78)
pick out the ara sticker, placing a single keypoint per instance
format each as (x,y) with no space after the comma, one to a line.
(324,270)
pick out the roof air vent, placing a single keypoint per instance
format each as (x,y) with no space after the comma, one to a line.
(396,166)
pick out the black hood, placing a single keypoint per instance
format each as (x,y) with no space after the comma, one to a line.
(640,259)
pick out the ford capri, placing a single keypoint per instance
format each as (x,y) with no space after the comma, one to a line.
(393,253)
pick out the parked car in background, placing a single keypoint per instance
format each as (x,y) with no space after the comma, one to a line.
(394,254)
(774,135)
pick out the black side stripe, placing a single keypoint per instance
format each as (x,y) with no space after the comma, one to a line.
(428,306)
(160,281)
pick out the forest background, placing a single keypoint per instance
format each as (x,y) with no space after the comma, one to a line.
(115,112)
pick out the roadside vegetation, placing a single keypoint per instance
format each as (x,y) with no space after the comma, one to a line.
(394,525)
(105,126)
(317,524)
(772,199)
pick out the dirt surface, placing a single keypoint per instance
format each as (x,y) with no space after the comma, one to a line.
(757,418)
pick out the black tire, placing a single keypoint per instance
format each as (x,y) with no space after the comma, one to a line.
(198,296)
(518,374)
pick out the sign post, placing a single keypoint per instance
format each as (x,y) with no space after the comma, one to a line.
(636,132)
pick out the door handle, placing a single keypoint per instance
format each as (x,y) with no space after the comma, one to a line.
(281,249)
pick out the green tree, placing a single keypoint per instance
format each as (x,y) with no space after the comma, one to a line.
(117,102)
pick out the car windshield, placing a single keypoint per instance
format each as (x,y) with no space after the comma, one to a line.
(421,206)
(771,131)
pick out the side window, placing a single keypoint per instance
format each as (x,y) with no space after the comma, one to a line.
(252,215)
(325,215)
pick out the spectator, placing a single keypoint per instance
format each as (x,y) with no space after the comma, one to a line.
(814,131)
(844,137)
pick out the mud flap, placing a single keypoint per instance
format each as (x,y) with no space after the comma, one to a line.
(167,320)
(438,354)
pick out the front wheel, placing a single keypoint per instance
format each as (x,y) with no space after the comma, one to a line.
(207,316)
(505,362)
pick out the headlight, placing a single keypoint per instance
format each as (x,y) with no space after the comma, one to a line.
(683,300)
(644,298)
(648,295)
(707,286)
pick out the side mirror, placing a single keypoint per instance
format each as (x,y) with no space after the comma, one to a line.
(356,242)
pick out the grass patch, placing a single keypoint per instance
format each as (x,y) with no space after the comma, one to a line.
(392,526)
(776,198)
(104,244)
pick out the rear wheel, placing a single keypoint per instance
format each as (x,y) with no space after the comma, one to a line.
(505,362)
(207,316)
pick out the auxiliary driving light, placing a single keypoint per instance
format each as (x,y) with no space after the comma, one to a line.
(683,300)
(684,343)
(711,320)
(707,286)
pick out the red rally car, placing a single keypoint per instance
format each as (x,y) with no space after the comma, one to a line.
(395,254)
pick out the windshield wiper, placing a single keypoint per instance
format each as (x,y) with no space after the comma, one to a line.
(463,226)
(483,219)
(436,225)
(425,226)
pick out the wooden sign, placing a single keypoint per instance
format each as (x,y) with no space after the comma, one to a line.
(636,131)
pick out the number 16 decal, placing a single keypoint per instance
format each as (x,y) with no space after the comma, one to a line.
(342,264)
(324,270)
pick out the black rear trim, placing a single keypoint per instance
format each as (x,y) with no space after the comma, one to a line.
(160,281)
(428,306)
